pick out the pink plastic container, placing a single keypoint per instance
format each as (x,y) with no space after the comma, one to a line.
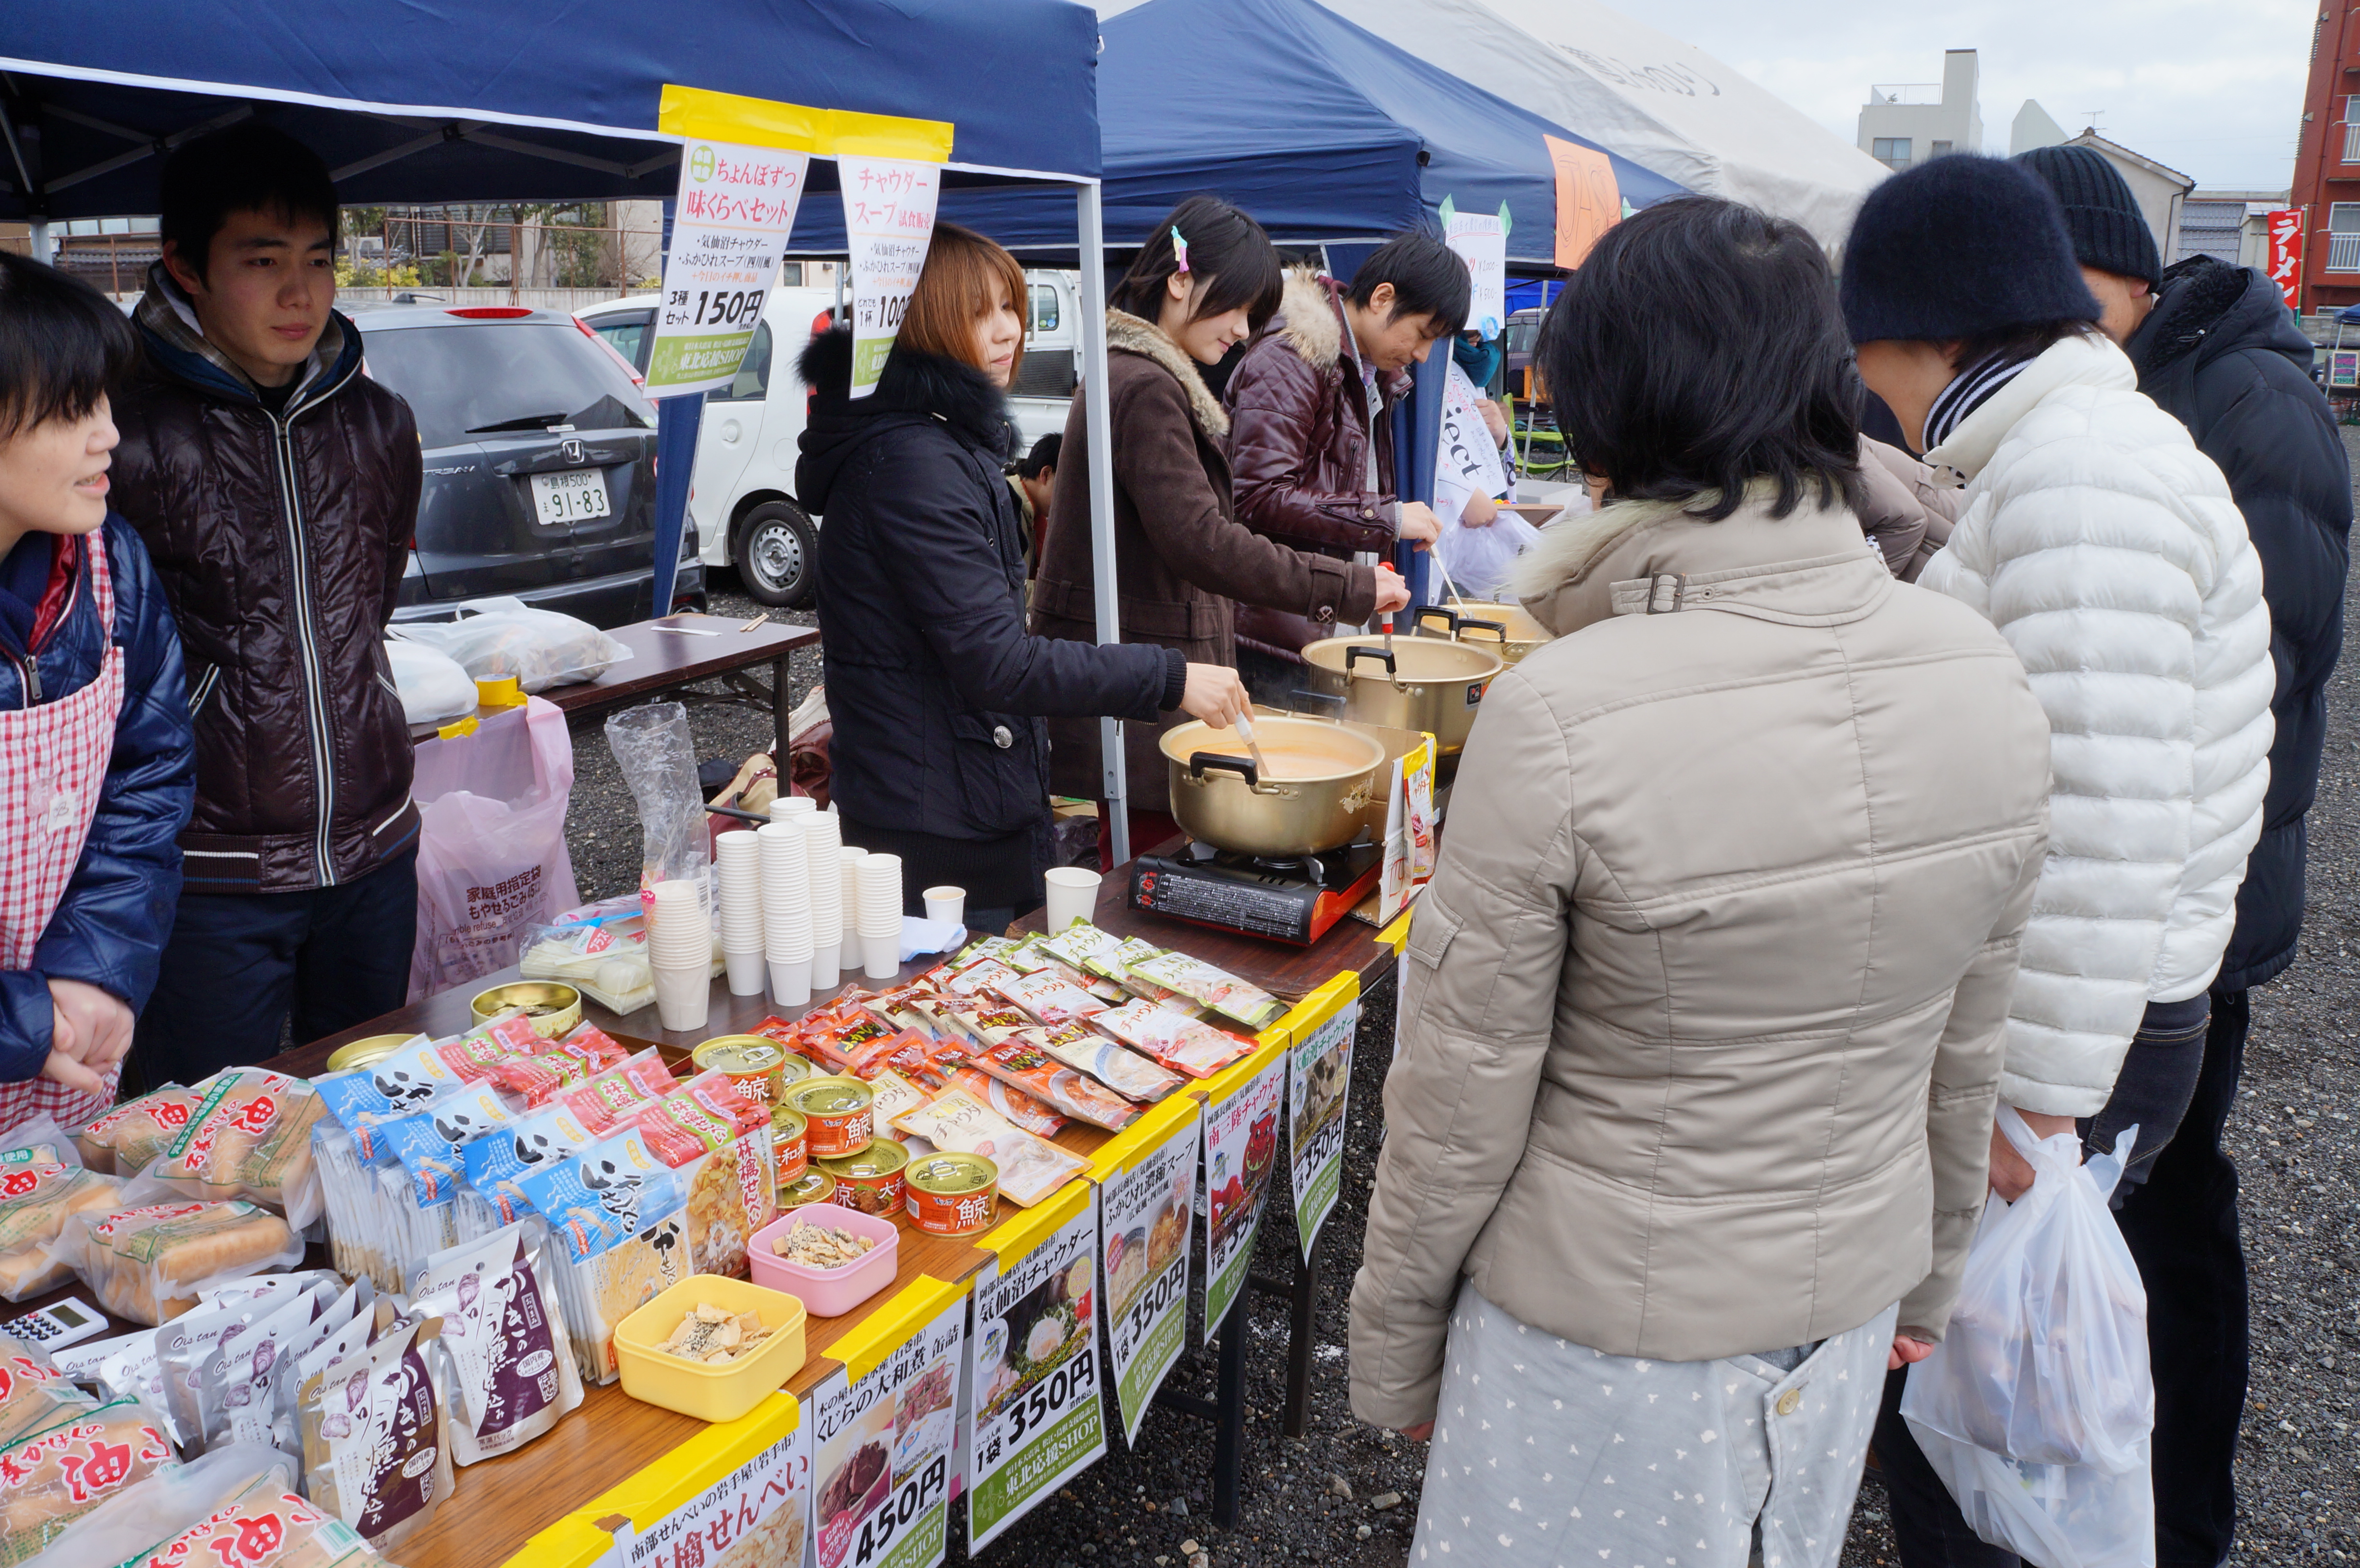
(827,1292)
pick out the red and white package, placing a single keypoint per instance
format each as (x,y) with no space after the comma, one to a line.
(620,1092)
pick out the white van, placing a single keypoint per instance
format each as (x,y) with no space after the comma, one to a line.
(742,495)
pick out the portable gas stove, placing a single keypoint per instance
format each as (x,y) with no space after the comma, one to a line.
(1295,900)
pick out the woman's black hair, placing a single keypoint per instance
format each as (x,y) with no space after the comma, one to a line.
(2026,340)
(1430,279)
(61,343)
(1224,245)
(1699,348)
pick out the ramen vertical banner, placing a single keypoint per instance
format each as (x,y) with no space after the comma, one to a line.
(1033,1361)
(889,220)
(1144,1207)
(1319,1085)
(1240,1153)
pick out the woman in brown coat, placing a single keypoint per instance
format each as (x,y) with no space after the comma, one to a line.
(1205,282)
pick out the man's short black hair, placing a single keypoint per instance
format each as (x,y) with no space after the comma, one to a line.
(247,168)
(1699,348)
(1428,279)
(1042,456)
(61,343)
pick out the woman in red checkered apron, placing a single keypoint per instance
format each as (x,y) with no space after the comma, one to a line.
(98,766)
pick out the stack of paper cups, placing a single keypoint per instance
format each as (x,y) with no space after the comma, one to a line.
(878,914)
(786,910)
(680,951)
(740,896)
(823,844)
(785,806)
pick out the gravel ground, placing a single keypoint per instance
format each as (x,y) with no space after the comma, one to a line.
(2295,1140)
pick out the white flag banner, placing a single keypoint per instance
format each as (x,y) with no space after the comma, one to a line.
(736,208)
(889,217)
(1482,241)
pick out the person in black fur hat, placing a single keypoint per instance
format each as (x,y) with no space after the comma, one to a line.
(2217,349)
(2107,550)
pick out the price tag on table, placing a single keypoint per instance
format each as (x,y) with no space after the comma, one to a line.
(1240,1154)
(1319,1095)
(1144,1214)
(885,1447)
(1034,1367)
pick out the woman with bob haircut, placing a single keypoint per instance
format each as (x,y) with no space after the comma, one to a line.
(1206,282)
(937,692)
(1702,1014)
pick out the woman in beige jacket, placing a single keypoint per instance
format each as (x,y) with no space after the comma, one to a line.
(1703,1009)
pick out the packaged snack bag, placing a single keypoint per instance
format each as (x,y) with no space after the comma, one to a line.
(602,1196)
(377,1451)
(470,1055)
(1030,1169)
(52,1478)
(249,1137)
(494,1164)
(1049,997)
(1124,1071)
(617,1094)
(1028,1067)
(35,1201)
(260,1523)
(124,1140)
(513,1364)
(708,1112)
(148,1263)
(1184,1044)
(1219,989)
(428,1143)
(399,1085)
(34,1395)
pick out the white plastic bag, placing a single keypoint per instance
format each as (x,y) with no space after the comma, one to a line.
(493,637)
(492,862)
(2046,1357)
(1478,560)
(434,689)
(2037,1408)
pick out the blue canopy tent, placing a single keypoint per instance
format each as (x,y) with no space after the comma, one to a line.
(579,101)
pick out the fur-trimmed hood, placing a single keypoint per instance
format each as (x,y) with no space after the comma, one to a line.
(1310,320)
(1127,333)
(913,387)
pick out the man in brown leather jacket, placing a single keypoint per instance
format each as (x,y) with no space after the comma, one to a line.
(276,487)
(1310,432)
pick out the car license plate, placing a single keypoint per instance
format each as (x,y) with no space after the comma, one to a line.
(570,498)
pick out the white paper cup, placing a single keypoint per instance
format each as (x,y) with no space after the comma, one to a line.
(784,806)
(826,964)
(947,904)
(1073,896)
(884,955)
(791,982)
(749,973)
(684,995)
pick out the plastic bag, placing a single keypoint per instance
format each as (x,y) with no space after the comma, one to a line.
(2059,1515)
(491,638)
(178,1515)
(42,1185)
(658,757)
(2046,1358)
(434,689)
(492,862)
(249,1137)
(51,1479)
(1479,560)
(147,1262)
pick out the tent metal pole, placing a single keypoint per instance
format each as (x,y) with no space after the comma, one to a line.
(1099,435)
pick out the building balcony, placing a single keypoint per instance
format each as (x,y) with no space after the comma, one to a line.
(2344,253)
(2352,143)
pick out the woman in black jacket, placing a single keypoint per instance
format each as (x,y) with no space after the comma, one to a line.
(940,753)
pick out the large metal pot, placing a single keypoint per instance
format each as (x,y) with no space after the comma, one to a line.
(1324,777)
(1508,630)
(1422,684)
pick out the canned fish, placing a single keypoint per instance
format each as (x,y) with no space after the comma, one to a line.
(788,1152)
(836,1114)
(870,1181)
(815,1186)
(951,1194)
(757,1066)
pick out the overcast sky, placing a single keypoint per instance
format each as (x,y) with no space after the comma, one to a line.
(2213,90)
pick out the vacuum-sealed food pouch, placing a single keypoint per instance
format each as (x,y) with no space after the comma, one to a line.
(36,1201)
(1120,1069)
(1023,1064)
(234,1383)
(124,1140)
(894,1095)
(235,1508)
(250,1137)
(956,1060)
(1219,989)
(513,1366)
(1184,1044)
(51,1479)
(618,1093)
(987,1020)
(377,1451)
(470,1055)
(147,1264)
(709,1111)
(851,1044)
(1030,1169)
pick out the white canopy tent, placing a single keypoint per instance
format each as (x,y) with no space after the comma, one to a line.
(1666,105)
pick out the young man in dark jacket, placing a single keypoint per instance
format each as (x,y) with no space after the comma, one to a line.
(276,488)
(1310,437)
(96,772)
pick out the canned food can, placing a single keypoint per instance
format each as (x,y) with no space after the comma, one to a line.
(951,1194)
(814,1186)
(757,1066)
(870,1181)
(788,1152)
(835,1112)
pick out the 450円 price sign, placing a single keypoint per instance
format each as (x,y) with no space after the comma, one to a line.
(881,1488)
(1033,1366)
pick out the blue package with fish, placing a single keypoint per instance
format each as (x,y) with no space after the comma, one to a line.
(496,1164)
(603,1196)
(428,1143)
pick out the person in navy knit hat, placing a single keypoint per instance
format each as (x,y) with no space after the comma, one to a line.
(2108,551)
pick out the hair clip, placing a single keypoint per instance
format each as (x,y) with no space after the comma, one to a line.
(1179,250)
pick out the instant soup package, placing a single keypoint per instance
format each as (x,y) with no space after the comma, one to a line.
(513,1372)
(375,1430)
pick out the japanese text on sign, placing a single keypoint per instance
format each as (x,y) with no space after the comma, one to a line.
(1481,240)
(1143,1242)
(2286,253)
(1319,1091)
(885,1452)
(730,224)
(1033,1366)
(1240,1153)
(759,1512)
(889,218)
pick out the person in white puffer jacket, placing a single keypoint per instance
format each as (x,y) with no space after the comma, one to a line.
(2106,549)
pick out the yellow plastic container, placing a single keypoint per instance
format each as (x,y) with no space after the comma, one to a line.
(694,1387)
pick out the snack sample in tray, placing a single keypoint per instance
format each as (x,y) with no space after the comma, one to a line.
(716,1335)
(821,1246)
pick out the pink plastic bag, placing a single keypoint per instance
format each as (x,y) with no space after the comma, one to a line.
(491,854)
